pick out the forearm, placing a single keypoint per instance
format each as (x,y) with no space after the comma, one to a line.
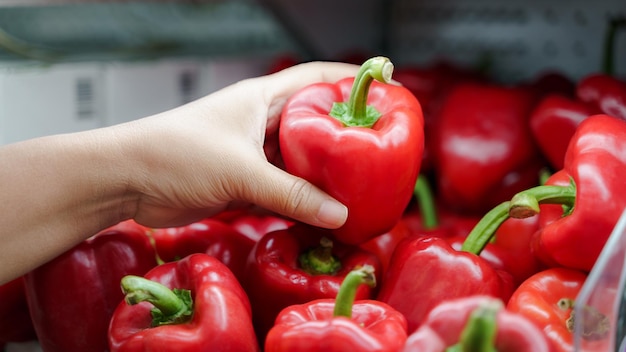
(57,191)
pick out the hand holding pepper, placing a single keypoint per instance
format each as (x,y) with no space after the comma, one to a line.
(359,140)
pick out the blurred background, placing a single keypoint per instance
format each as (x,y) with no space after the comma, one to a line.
(72,65)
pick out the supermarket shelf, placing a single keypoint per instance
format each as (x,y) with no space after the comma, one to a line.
(101,31)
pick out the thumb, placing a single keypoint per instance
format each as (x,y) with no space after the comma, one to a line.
(294,197)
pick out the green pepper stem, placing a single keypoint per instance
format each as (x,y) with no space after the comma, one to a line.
(486,228)
(526,203)
(426,203)
(320,260)
(356,112)
(347,291)
(479,334)
(171,307)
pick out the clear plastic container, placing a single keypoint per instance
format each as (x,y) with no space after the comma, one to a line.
(604,292)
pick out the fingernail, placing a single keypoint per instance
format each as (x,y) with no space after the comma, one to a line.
(332,214)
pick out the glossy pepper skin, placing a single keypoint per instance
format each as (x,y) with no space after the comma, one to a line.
(209,236)
(606,93)
(546,299)
(553,123)
(379,138)
(430,84)
(339,324)
(277,275)
(483,148)
(15,322)
(426,270)
(72,298)
(595,170)
(218,318)
(476,323)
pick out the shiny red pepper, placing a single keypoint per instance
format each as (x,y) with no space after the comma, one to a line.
(254,226)
(194,304)
(430,84)
(297,265)
(340,324)
(553,123)
(476,323)
(71,298)
(350,139)
(15,322)
(426,270)
(605,91)
(547,300)
(209,236)
(595,173)
(483,148)
(607,94)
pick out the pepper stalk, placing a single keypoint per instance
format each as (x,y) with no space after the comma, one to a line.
(356,112)
(347,291)
(170,306)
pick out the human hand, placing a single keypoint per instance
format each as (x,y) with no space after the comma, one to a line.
(222,150)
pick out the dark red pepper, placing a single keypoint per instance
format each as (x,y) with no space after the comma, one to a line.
(340,324)
(476,323)
(553,123)
(209,236)
(350,139)
(194,304)
(484,151)
(605,91)
(254,226)
(72,298)
(15,322)
(430,84)
(297,265)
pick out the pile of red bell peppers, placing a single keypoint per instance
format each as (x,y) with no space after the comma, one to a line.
(476,212)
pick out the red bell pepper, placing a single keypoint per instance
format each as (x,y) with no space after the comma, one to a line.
(351,139)
(426,270)
(483,148)
(71,298)
(552,82)
(340,324)
(607,94)
(15,322)
(553,123)
(194,304)
(254,226)
(430,84)
(476,323)
(595,170)
(297,265)
(605,91)
(547,299)
(209,236)
(422,219)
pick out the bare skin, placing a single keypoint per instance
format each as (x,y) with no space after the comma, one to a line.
(169,169)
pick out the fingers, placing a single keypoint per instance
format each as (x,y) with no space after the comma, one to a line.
(293,197)
(287,81)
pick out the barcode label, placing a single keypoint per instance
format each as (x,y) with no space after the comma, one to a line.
(85,100)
